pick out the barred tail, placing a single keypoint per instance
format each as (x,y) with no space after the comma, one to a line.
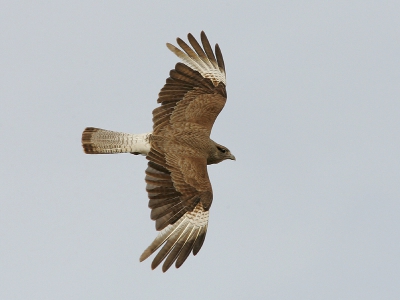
(100,141)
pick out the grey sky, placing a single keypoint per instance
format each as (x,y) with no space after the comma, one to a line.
(310,209)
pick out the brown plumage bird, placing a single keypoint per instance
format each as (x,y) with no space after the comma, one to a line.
(179,150)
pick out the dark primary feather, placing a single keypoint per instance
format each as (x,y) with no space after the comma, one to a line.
(208,49)
(186,48)
(220,59)
(196,46)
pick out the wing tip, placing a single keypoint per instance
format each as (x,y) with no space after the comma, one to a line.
(144,256)
(210,65)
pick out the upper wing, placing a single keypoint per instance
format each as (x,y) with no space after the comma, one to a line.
(195,91)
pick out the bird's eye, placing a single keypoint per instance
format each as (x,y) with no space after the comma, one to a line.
(221,149)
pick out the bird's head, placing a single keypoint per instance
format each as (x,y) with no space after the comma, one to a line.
(218,154)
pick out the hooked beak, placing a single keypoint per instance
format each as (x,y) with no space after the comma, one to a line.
(232,157)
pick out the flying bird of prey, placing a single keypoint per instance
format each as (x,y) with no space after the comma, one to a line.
(178,149)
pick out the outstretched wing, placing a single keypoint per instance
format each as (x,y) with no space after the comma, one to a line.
(180,209)
(195,91)
(178,186)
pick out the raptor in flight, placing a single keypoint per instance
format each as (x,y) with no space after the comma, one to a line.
(178,150)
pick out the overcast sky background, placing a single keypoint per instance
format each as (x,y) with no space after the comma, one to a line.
(310,209)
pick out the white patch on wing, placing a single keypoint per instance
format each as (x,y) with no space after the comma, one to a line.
(191,221)
(205,67)
(198,217)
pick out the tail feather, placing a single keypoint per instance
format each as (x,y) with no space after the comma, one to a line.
(100,141)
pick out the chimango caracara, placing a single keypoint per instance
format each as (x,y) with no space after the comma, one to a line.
(178,150)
